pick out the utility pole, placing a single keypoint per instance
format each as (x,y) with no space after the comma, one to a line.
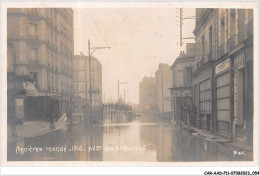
(162,108)
(181,23)
(162,93)
(90,83)
(181,26)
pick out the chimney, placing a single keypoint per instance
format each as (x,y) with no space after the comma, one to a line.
(182,53)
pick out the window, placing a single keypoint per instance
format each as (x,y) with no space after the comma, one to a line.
(33,53)
(205,96)
(56,64)
(223,97)
(233,38)
(187,76)
(222,30)
(33,29)
(203,46)
(47,34)
(56,81)
(210,43)
(81,86)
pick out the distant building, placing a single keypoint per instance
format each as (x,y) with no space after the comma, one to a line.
(82,82)
(223,77)
(181,91)
(40,61)
(163,78)
(147,94)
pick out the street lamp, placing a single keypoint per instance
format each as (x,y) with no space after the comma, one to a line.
(89,61)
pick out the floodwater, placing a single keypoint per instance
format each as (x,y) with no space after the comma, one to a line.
(139,139)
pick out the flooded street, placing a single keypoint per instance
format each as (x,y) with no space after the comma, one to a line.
(140,139)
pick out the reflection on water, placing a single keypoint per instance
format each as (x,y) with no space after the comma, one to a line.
(121,140)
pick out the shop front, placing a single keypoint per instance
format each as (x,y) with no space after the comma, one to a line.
(18,101)
(202,97)
(223,103)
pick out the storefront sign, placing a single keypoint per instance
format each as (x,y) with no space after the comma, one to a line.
(222,66)
(31,93)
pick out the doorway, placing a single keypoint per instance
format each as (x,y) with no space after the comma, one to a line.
(239,104)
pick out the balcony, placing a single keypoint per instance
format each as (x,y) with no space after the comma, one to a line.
(232,41)
(222,49)
(33,37)
(34,61)
(249,29)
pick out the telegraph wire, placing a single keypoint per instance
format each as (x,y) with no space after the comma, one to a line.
(90,27)
(101,34)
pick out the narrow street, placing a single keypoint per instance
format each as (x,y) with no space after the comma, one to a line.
(139,139)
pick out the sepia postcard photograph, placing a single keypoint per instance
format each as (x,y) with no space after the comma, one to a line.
(129,84)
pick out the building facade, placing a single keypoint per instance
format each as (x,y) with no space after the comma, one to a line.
(163,78)
(181,91)
(147,94)
(82,81)
(40,54)
(223,78)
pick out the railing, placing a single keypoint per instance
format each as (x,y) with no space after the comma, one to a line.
(34,61)
(33,37)
(232,41)
(249,29)
(222,49)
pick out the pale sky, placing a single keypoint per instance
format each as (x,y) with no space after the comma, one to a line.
(140,39)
